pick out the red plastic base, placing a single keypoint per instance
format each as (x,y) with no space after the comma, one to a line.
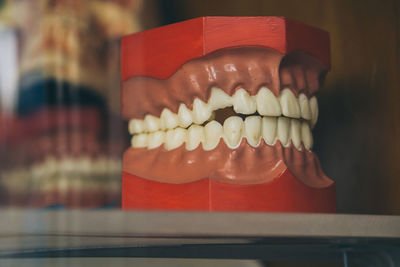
(283,194)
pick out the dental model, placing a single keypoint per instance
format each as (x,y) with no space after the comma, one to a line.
(220,111)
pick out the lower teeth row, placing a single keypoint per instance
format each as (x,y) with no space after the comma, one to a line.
(253,128)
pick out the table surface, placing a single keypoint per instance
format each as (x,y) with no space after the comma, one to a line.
(115,233)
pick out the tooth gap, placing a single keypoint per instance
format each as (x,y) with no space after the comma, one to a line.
(222,114)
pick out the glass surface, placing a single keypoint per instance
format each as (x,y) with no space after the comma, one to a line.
(62,135)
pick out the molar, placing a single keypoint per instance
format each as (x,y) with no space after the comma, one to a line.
(243,103)
(314,110)
(295,134)
(201,111)
(219,99)
(252,130)
(168,119)
(213,133)
(289,104)
(139,140)
(267,104)
(184,116)
(151,123)
(306,135)
(136,126)
(304,107)
(175,138)
(283,130)
(195,135)
(269,130)
(233,128)
(155,139)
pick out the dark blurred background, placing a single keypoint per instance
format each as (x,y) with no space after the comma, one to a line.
(356,138)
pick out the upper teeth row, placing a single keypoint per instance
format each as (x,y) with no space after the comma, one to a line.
(264,102)
(254,129)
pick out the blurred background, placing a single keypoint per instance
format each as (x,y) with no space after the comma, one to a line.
(61,134)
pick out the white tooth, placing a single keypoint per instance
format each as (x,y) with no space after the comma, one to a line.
(212,117)
(155,139)
(168,119)
(151,123)
(243,103)
(233,131)
(252,130)
(295,134)
(136,126)
(213,133)
(306,135)
(139,140)
(219,99)
(201,111)
(283,130)
(267,104)
(185,116)
(304,107)
(269,130)
(195,135)
(175,138)
(314,110)
(289,104)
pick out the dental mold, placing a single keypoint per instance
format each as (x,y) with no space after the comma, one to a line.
(224,102)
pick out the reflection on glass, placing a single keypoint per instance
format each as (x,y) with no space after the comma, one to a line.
(61,134)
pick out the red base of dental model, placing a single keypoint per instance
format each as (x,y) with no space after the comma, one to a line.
(283,194)
(200,36)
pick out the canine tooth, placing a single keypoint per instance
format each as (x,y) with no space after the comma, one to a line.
(185,116)
(201,111)
(304,107)
(233,129)
(283,130)
(295,134)
(267,104)
(252,130)
(306,135)
(136,126)
(243,103)
(174,138)
(219,99)
(289,104)
(314,110)
(155,139)
(151,123)
(168,119)
(269,130)
(212,117)
(195,135)
(139,140)
(213,133)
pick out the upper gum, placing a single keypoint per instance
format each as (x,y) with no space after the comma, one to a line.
(191,81)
